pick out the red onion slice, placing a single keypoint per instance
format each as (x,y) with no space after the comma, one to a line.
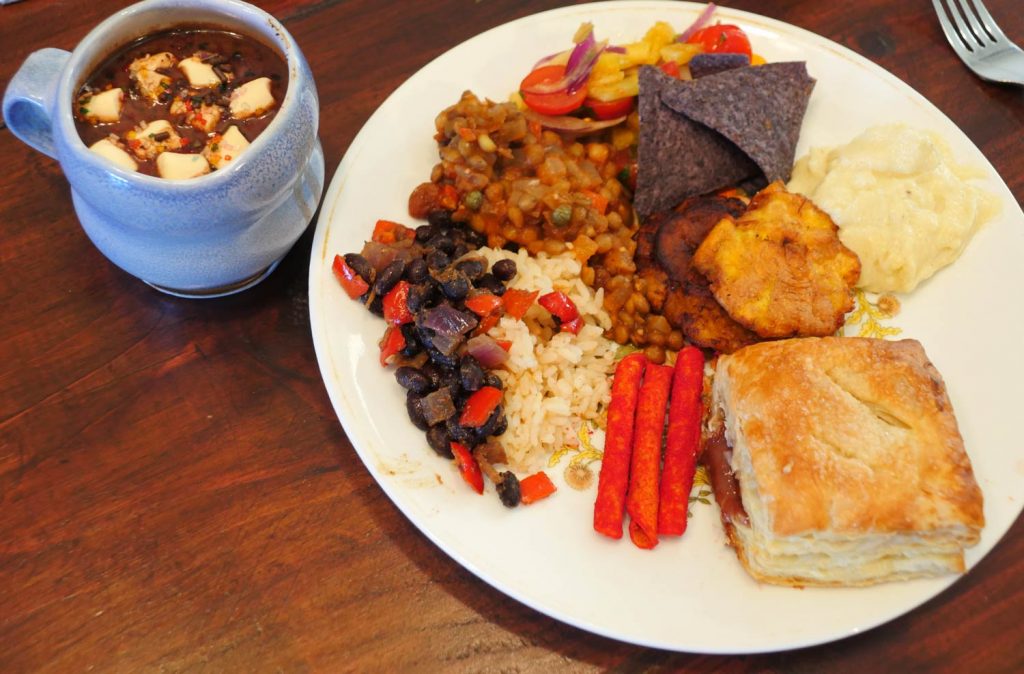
(548,59)
(701,21)
(574,125)
(487,351)
(581,61)
(447,320)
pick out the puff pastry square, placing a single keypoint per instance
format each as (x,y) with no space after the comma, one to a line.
(850,464)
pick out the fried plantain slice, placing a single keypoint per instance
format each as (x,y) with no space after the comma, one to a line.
(682,230)
(671,239)
(692,308)
(780,269)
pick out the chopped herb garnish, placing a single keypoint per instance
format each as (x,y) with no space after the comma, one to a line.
(83,111)
(214,148)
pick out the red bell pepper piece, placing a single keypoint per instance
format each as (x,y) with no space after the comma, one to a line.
(505,344)
(483,304)
(392,343)
(386,231)
(562,308)
(517,302)
(486,323)
(535,488)
(352,282)
(396,304)
(469,469)
(479,407)
(572,326)
(670,68)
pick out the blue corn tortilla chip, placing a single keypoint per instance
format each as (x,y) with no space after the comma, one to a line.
(759,108)
(678,157)
(702,65)
(736,127)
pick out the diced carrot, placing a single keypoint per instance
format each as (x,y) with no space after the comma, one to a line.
(613,480)
(505,344)
(642,499)
(536,487)
(449,197)
(685,415)
(467,133)
(597,200)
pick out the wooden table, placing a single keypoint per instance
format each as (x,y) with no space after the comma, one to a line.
(176,492)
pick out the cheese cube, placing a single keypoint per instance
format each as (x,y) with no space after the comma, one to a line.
(199,74)
(222,150)
(252,99)
(106,148)
(102,107)
(179,166)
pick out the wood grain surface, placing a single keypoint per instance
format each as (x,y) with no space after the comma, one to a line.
(176,493)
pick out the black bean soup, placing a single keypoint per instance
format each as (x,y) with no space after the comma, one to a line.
(201,95)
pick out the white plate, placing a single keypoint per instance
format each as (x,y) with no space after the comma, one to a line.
(688,594)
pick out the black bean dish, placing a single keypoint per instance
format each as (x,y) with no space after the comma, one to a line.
(438,301)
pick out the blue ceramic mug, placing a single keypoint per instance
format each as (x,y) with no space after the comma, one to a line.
(203,237)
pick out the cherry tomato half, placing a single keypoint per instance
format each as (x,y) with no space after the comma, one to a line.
(558,103)
(610,109)
(722,38)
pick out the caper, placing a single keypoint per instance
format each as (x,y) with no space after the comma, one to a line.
(474,200)
(562,216)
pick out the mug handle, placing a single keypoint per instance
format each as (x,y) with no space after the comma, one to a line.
(30,96)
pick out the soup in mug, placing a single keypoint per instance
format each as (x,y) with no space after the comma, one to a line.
(181,103)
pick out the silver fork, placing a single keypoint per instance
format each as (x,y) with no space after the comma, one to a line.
(979,42)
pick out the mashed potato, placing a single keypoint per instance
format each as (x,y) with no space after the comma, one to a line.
(900,201)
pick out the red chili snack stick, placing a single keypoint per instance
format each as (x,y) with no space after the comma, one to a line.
(685,414)
(649,428)
(618,446)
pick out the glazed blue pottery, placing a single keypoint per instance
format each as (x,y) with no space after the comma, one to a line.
(203,237)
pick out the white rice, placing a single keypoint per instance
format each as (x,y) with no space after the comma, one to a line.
(554,381)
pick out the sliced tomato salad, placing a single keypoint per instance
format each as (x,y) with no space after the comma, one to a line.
(722,38)
(557,103)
